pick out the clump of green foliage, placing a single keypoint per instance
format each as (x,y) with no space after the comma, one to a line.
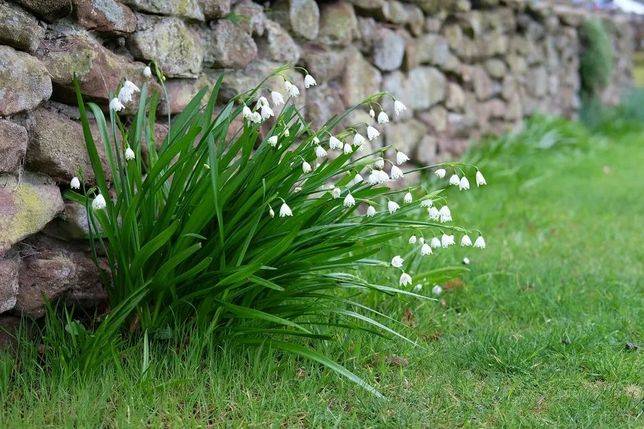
(596,62)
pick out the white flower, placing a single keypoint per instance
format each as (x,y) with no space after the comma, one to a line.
(336,192)
(316,140)
(464,184)
(116,105)
(421,240)
(426,203)
(480,180)
(347,148)
(466,241)
(412,239)
(286,133)
(356,179)
(349,201)
(277,98)
(266,112)
(378,177)
(445,214)
(291,89)
(98,203)
(435,243)
(397,261)
(437,290)
(358,140)
(396,173)
(418,288)
(426,249)
(129,154)
(261,102)
(271,213)
(335,143)
(272,140)
(392,206)
(440,173)
(372,113)
(127,91)
(147,72)
(447,240)
(309,81)
(407,199)
(306,167)
(75,183)
(247,113)
(372,133)
(399,107)
(433,213)
(454,180)
(383,118)
(379,163)
(479,242)
(320,152)
(371,211)
(405,279)
(401,158)
(256,117)
(285,210)
(466,261)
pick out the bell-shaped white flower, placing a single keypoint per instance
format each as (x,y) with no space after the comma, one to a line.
(435,243)
(466,261)
(372,113)
(372,133)
(286,132)
(309,81)
(336,192)
(405,279)
(377,177)
(425,249)
(277,97)
(291,89)
(401,158)
(396,173)
(98,203)
(418,288)
(358,140)
(433,213)
(407,199)
(445,214)
(466,241)
(383,118)
(256,117)
(347,148)
(371,211)
(437,290)
(413,239)
(356,179)
(272,140)
(421,240)
(129,154)
(397,261)
(392,206)
(447,240)
(266,112)
(116,105)
(399,107)
(426,203)
(335,143)
(480,180)
(285,210)
(349,201)
(261,102)
(464,184)
(147,72)
(479,242)
(247,113)
(306,167)
(320,152)
(74,183)
(127,91)
(440,173)
(454,180)
(379,163)
(271,212)
(316,140)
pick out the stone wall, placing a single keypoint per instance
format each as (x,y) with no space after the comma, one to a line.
(462,67)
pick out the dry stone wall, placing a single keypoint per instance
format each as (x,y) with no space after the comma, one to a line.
(463,68)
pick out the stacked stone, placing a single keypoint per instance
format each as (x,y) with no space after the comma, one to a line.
(462,67)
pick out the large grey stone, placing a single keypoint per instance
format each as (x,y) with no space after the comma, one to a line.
(388,50)
(278,45)
(360,80)
(537,82)
(181,92)
(322,62)
(301,17)
(495,68)
(419,89)
(434,49)
(49,10)
(13,145)
(435,118)
(18,28)
(228,45)
(26,206)
(338,23)
(455,97)
(215,8)
(169,42)
(183,8)
(253,19)
(24,81)
(483,85)
(71,224)
(105,16)
(404,136)
(9,269)
(322,103)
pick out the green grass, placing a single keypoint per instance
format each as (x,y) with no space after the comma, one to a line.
(534,336)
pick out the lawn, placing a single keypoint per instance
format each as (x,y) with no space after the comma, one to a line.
(542,332)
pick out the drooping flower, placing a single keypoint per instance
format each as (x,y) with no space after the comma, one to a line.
(349,201)
(412,239)
(433,213)
(335,143)
(401,158)
(377,177)
(396,173)
(372,113)
(372,133)
(358,140)
(480,180)
(116,105)
(421,240)
(379,163)
(247,113)
(371,211)
(309,81)
(272,140)
(392,206)
(147,72)
(405,279)
(316,140)
(445,214)
(271,212)
(454,180)
(437,290)
(74,183)
(464,184)
(266,112)
(306,167)
(426,249)
(383,118)
(418,288)
(466,261)
(129,154)
(407,199)
(291,89)
(261,102)
(466,241)
(286,132)
(435,243)
(285,210)
(320,152)
(256,117)
(347,148)
(357,179)
(426,203)
(336,192)
(447,240)
(127,91)
(277,98)
(397,261)
(440,173)
(98,203)
(479,242)
(399,107)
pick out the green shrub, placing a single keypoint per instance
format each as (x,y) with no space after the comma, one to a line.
(248,234)
(596,62)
